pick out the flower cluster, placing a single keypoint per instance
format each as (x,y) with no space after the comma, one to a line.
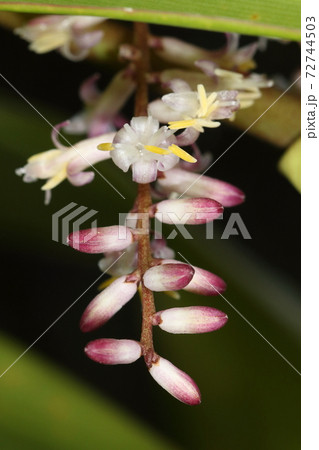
(205,88)
(73,36)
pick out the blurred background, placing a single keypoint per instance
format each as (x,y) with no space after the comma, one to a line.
(54,397)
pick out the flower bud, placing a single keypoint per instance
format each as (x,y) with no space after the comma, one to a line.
(168,277)
(191,211)
(108,302)
(101,240)
(177,383)
(205,283)
(113,351)
(194,185)
(191,319)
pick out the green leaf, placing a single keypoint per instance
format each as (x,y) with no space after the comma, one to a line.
(273,18)
(42,407)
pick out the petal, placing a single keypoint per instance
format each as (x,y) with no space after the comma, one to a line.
(191,319)
(108,303)
(205,283)
(144,171)
(162,112)
(101,240)
(168,277)
(176,382)
(192,211)
(113,351)
(191,184)
(81,178)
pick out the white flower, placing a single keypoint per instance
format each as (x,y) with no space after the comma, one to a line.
(248,87)
(188,108)
(68,34)
(64,162)
(145,147)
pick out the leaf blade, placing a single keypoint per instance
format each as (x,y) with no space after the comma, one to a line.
(254,17)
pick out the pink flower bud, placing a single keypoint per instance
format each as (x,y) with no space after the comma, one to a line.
(108,302)
(191,211)
(113,351)
(168,277)
(202,282)
(177,383)
(101,240)
(194,185)
(191,319)
(205,283)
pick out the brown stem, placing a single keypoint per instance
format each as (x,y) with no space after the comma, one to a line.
(144,200)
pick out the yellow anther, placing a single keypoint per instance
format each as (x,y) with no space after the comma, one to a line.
(181,153)
(107,147)
(179,124)
(202,111)
(159,150)
(54,181)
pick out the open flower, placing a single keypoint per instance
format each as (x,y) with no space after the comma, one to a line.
(248,87)
(71,35)
(102,109)
(145,147)
(64,162)
(195,109)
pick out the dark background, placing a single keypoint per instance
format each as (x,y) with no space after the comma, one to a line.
(250,394)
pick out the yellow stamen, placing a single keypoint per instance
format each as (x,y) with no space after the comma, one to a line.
(181,153)
(202,111)
(178,124)
(54,181)
(106,283)
(107,147)
(153,149)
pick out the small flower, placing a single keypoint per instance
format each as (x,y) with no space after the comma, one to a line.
(106,304)
(175,381)
(100,240)
(71,35)
(168,277)
(101,114)
(189,320)
(191,211)
(195,109)
(248,87)
(64,162)
(202,282)
(145,147)
(193,185)
(113,351)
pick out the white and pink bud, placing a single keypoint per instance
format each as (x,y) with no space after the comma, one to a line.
(113,351)
(205,283)
(189,320)
(175,382)
(168,277)
(101,240)
(193,185)
(108,302)
(190,211)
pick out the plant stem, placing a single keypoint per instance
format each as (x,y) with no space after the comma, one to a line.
(144,200)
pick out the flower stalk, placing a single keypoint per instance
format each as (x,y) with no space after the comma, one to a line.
(144,200)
